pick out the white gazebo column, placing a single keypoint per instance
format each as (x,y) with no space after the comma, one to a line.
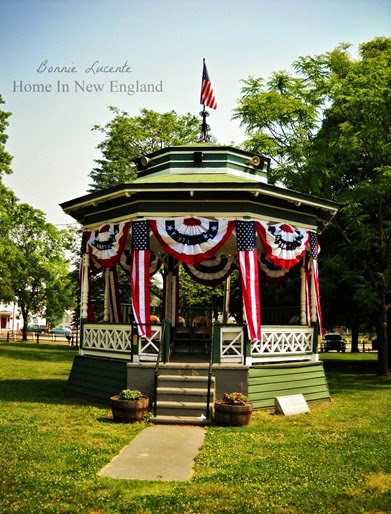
(171,290)
(303,295)
(84,286)
(106,307)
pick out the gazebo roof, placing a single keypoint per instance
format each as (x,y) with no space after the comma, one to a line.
(201,179)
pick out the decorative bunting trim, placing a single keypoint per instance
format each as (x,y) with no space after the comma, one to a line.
(210,272)
(191,240)
(106,244)
(283,245)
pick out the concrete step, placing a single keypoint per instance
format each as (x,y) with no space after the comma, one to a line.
(187,394)
(181,408)
(186,381)
(184,369)
(180,420)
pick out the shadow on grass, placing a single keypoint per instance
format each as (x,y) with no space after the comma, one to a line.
(37,352)
(35,391)
(344,364)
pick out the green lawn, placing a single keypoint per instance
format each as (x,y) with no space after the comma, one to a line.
(334,460)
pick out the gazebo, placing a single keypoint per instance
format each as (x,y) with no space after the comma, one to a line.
(210,209)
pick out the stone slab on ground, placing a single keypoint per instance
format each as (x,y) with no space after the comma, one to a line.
(159,452)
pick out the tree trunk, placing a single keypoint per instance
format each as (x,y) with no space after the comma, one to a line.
(381,333)
(354,338)
(25,322)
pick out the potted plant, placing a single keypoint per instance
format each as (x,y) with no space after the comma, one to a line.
(129,406)
(234,409)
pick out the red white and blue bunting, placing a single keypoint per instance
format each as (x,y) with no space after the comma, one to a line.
(271,273)
(191,240)
(210,272)
(283,245)
(106,244)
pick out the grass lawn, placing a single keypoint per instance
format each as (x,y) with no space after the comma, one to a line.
(334,460)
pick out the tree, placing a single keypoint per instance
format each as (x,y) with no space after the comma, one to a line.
(127,139)
(39,279)
(327,129)
(5,157)
(197,296)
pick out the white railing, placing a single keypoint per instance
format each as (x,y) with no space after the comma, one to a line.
(232,344)
(148,347)
(107,339)
(115,341)
(278,343)
(282,344)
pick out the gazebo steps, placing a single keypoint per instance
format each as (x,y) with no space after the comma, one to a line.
(180,420)
(183,399)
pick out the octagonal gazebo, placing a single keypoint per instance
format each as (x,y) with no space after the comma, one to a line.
(210,208)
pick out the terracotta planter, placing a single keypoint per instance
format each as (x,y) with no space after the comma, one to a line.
(232,415)
(129,411)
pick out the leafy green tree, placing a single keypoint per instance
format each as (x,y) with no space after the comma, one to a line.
(197,297)
(128,138)
(40,280)
(5,157)
(327,129)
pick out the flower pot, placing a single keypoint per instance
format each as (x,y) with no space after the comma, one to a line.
(232,415)
(128,411)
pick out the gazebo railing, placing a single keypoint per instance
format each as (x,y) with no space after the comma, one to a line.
(107,339)
(121,341)
(149,347)
(283,343)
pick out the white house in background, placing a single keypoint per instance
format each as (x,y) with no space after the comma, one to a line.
(11,319)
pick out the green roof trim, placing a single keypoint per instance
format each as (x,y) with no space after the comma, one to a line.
(194,178)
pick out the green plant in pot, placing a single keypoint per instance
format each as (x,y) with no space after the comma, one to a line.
(234,409)
(129,405)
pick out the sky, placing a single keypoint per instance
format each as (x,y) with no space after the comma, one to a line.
(58,60)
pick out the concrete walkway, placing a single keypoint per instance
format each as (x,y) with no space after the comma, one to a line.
(160,452)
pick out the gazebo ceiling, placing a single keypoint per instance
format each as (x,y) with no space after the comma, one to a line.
(205,180)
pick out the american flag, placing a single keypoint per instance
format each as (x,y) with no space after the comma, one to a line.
(248,264)
(315,249)
(139,277)
(207,94)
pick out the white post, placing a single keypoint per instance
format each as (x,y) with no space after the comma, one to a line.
(84,286)
(303,299)
(106,307)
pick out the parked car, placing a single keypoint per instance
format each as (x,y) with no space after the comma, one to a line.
(333,342)
(40,329)
(58,331)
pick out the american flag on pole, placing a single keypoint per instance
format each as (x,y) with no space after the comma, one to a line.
(139,276)
(207,94)
(249,277)
(315,249)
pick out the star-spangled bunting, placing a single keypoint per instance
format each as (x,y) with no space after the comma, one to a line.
(211,272)
(207,94)
(283,244)
(106,244)
(272,274)
(249,277)
(139,276)
(191,240)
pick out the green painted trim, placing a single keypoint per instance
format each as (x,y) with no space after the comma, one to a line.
(216,354)
(228,207)
(265,382)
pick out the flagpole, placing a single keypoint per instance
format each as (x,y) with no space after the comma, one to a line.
(204,114)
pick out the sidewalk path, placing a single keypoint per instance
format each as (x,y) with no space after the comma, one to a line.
(160,452)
